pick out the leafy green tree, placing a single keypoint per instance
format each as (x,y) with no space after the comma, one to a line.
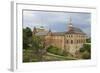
(86,55)
(38,46)
(86,51)
(88,40)
(34,43)
(27,35)
(86,47)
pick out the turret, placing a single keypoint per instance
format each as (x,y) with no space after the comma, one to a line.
(49,32)
(34,30)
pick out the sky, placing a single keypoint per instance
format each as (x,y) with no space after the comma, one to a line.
(57,21)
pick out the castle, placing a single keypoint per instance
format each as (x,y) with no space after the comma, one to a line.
(70,41)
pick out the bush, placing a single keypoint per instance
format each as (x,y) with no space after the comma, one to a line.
(54,50)
(27,36)
(26,55)
(57,51)
(86,51)
(64,53)
(86,47)
(88,40)
(82,49)
(86,55)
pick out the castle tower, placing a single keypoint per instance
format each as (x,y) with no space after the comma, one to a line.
(49,32)
(34,31)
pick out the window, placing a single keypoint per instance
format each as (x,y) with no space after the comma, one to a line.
(67,41)
(77,41)
(71,41)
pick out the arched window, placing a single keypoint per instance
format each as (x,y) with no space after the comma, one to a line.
(71,41)
(81,41)
(67,41)
(77,41)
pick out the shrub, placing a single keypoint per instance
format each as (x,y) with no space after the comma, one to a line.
(88,40)
(54,50)
(86,55)
(64,53)
(82,49)
(86,47)
(57,51)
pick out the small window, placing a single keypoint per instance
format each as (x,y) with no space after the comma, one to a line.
(67,41)
(71,41)
(77,41)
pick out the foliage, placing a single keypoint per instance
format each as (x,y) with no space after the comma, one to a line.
(86,51)
(64,53)
(29,56)
(86,55)
(54,50)
(26,55)
(27,35)
(38,45)
(86,47)
(35,43)
(88,40)
(36,50)
(57,51)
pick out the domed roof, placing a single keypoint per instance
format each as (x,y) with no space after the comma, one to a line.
(75,30)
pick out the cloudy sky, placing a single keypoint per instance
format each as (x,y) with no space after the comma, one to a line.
(57,21)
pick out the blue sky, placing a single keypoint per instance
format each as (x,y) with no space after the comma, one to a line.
(57,21)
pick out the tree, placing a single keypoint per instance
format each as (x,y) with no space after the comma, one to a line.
(88,40)
(86,47)
(27,35)
(38,46)
(86,51)
(86,55)
(35,43)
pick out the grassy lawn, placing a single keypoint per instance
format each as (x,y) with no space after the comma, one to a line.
(29,56)
(53,57)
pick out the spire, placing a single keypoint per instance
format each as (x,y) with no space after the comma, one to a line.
(70,19)
(70,23)
(34,30)
(49,30)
